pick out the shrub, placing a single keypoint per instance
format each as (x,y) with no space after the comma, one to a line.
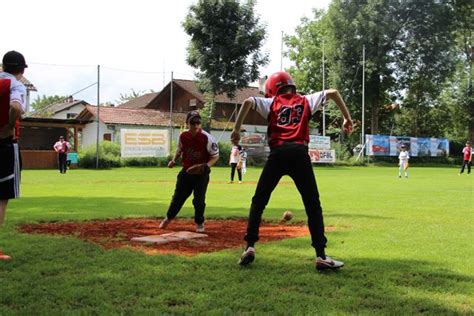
(146,161)
(109,156)
(224,154)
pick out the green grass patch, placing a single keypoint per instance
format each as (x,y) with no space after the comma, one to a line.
(407,245)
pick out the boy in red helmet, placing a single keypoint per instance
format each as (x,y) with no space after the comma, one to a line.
(288,115)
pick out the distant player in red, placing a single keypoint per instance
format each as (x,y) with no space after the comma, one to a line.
(12,105)
(288,115)
(467,158)
(199,152)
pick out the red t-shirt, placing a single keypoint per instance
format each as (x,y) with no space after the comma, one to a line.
(5,106)
(196,149)
(289,120)
(467,153)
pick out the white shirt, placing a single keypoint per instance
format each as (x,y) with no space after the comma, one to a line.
(315,100)
(403,156)
(234,154)
(17,89)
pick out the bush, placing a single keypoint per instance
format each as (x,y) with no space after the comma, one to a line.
(224,154)
(109,156)
(146,161)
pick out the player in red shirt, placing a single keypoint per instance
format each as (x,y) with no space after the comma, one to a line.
(12,105)
(199,152)
(467,158)
(288,115)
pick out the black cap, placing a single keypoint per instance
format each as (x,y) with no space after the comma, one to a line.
(192,115)
(14,59)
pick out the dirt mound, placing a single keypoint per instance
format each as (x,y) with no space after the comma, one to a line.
(116,233)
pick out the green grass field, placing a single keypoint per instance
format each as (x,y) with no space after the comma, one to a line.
(407,245)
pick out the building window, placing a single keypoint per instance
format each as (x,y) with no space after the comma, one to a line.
(108,137)
(71,115)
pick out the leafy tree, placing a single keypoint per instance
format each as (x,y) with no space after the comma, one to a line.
(226,37)
(41,104)
(125,97)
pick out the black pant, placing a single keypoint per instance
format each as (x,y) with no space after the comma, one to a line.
(292,160)
(464,164)
(62,158)
(232,171)
(185,185)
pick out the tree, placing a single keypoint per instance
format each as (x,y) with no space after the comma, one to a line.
(226,37)
(125,97)
(409,54)
(41,104)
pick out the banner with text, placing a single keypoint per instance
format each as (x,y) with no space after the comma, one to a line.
(322,155)
(382,145)
(144,143)
(319,142)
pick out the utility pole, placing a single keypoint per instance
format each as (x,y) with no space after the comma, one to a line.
(171,112)
(98,119)
(324,107)
(363,96)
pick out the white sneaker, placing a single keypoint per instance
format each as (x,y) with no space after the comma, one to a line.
(247,257)
(200,228)
(328,263)
(164,223)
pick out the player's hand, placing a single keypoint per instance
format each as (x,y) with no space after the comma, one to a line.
(235,136)
(347,126)
(171,164)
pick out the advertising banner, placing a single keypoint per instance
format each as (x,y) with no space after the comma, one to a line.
(322,155)
(144,143)
(319,142)
(382,145)
(253,139)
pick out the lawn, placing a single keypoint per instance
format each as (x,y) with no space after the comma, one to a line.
(407,245)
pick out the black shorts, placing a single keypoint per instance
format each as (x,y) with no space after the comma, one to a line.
(10,166)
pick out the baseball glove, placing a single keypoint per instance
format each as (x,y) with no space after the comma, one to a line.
(198,169)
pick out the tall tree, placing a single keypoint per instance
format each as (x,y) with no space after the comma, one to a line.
(41,103)
(226,38)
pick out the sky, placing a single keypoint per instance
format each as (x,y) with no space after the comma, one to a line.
(136,43)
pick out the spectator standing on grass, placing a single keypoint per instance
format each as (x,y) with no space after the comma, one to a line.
(467,158)
(234,159)
(199,152)
(288,114)
(403,161)
(62,147)
(12,105)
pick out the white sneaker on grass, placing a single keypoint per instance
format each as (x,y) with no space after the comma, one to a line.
(328,263)
(247,257)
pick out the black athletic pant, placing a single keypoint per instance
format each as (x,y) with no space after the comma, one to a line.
(185,185)
(62,158)
(464,164)
(292,160)
(232,171)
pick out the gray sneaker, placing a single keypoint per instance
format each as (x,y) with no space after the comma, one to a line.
(247,257)
(165,222)
(328,263)
(200,228)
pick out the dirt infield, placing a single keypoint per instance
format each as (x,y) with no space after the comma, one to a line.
(116,233)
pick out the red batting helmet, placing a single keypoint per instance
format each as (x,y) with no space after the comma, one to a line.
(276,81)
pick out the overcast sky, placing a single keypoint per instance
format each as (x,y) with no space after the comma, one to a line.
(137,43)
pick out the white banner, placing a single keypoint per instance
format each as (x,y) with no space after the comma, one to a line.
(319,142)
(322,156)
(144,143)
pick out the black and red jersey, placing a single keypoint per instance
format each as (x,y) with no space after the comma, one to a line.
(196,149)
(288,116)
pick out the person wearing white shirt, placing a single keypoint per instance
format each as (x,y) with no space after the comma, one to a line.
(403,162)
(12,105)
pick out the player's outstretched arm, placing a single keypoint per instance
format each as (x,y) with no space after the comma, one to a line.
(244,110)
(334,95)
